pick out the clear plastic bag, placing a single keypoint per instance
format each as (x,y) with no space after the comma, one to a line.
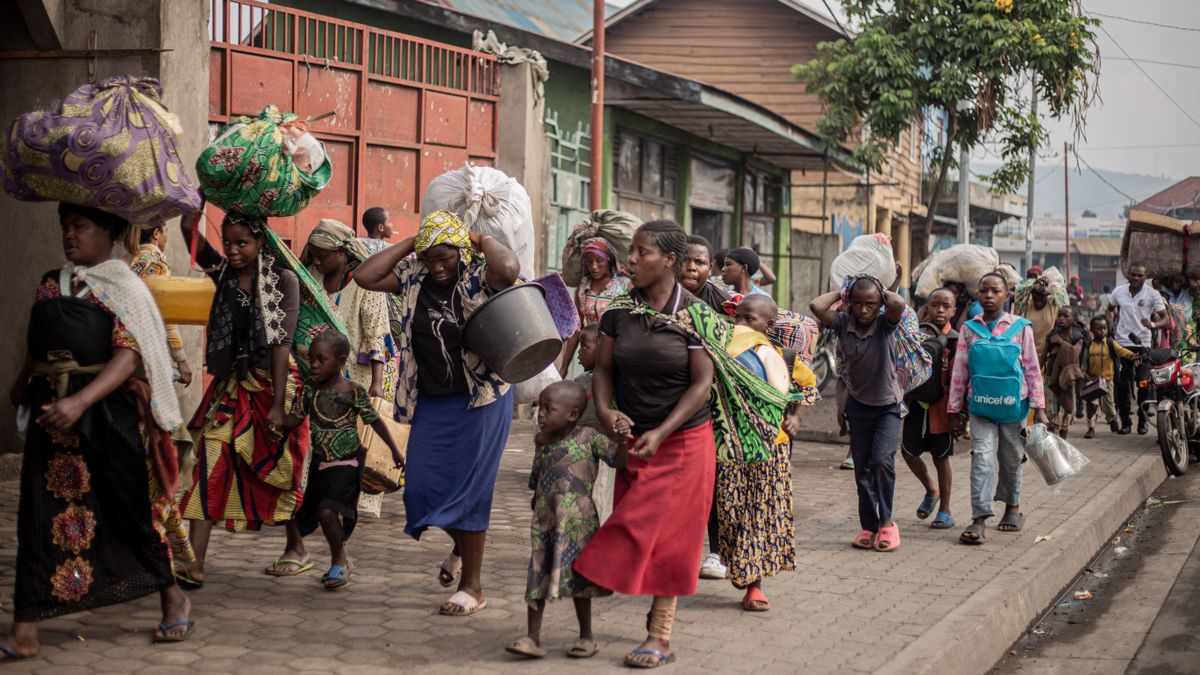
(1057,459)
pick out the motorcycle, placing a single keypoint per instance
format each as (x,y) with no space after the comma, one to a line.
(824,363)
(1174,405)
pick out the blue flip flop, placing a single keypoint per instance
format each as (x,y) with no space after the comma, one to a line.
(171,625)
(942,521)
(663,659)
(336,577)
(927,506)
(10,654)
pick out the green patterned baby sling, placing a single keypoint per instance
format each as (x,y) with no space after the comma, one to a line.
(746,411)
(315,314)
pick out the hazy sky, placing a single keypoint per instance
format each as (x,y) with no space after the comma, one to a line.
(1132,111)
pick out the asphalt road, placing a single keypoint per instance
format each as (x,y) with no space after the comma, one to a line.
(1143,615)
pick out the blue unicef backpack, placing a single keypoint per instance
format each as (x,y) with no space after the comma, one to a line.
(994,362)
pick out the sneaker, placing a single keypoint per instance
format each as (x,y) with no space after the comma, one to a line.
(847,464)
(1113,426)
(1125,430)
(712,567)
(1143,429)
(1091,433)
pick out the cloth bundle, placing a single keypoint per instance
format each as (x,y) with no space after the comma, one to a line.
(489,202)
(796,333)
(561,304)
(110,146)
(868,255)
(961,263)
(615,227)
(249,168)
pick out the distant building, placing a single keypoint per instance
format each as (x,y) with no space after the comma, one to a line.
(1181,201)
(1095,247)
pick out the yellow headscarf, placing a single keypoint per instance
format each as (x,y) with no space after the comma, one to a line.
(443,227)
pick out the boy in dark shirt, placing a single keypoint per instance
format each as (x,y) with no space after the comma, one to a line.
(873,401)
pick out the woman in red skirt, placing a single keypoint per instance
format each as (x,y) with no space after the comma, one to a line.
(661,377)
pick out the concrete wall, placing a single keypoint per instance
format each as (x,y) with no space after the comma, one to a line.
(32,243)
(522,149)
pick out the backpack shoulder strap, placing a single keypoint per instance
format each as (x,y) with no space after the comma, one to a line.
(1015,329)
(978,328)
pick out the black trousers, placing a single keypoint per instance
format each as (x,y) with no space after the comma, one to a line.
(1126,383)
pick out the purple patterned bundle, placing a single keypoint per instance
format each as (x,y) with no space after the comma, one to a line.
(111,146)
(561,304)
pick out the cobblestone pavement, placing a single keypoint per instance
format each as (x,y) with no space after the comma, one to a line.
(843,610)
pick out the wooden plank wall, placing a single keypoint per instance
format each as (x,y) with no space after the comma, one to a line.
(746,47)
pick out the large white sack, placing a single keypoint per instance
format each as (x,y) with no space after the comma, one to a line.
(961,263)
(868,254)
(529,390)
(488,201)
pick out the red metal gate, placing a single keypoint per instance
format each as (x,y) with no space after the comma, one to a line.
(407,108)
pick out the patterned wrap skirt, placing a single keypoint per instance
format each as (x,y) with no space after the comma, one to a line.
(241,477)
(756,528)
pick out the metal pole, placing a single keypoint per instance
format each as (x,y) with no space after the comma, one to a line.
(964,195)
(1067,210)
(1029,196)
(596,193)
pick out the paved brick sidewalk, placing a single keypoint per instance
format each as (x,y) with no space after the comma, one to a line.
(842,611)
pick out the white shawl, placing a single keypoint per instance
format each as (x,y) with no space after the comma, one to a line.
(123,292)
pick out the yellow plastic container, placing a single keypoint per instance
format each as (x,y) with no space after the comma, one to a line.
(183,300)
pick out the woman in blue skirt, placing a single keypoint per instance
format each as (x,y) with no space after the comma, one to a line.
(460,410)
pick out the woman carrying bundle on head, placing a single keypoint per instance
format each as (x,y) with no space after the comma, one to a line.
(460,410)
(100,468)
(249,466)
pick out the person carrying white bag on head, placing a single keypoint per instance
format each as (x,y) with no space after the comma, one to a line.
(490,202)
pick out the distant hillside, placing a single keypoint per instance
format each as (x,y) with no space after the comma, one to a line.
(1087,191)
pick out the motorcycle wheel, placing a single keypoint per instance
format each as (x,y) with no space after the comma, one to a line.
(823,371)
(1171,441)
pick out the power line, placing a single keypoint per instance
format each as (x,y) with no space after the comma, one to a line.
(1079,158)
(1152,81)
(1157,63)
(1092,148)
(1143,22)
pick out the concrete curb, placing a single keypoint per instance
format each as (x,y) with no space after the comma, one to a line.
(975,635)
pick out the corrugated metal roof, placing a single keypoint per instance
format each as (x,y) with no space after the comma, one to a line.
(1108,246)
(563,20)
(1185,193)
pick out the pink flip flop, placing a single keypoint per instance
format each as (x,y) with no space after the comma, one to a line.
(888,539)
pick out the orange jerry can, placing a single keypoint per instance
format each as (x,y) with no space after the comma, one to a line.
(183,300)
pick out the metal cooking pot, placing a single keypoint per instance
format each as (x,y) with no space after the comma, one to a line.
(513,333)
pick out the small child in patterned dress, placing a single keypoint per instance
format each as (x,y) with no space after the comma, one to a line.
(334,405)
(564,515)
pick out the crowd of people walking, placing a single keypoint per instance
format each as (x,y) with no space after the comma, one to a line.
(694,384)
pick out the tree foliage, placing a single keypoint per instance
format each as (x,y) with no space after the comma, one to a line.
(969,59)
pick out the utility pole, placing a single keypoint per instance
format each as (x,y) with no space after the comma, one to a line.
(964,195)
(596,192)
(1067,209)
(1029,196)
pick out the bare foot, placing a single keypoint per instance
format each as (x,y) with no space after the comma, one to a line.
(175,610)
(647,654)
(23,641)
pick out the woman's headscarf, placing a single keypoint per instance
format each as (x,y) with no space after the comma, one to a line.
(333,235)
(444,228)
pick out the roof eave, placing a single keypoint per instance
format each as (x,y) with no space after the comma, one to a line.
(635,7)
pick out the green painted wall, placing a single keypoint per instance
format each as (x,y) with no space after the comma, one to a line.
(569,93)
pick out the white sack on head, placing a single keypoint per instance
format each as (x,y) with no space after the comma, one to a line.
(529,390)
(868,254)
(961,263)
(488,201)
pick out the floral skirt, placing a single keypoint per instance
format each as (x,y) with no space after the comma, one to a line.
(756,529)
(89,532)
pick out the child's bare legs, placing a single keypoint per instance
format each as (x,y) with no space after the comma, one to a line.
(533,616)
(942,466)
(331,527)
(917,466)
(583,612)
